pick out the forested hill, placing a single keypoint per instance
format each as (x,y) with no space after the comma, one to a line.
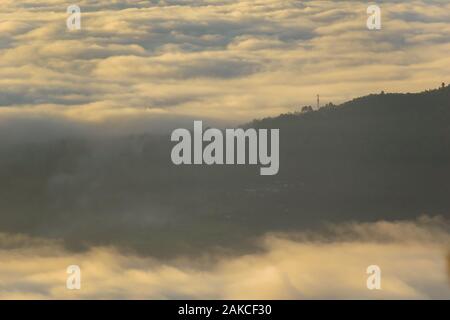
(385,155)
(431,102)
(376,157)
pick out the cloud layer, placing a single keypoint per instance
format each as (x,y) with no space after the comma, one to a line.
(329,265)
(231,59)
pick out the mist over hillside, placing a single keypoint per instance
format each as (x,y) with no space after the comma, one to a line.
(383,156)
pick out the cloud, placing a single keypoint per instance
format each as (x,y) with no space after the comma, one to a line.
(411,255)
(234,60)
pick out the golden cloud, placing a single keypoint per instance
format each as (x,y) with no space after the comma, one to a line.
(329,265)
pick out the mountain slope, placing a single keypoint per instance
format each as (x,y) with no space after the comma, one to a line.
(376,157)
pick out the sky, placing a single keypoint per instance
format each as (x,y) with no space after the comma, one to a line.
(145,66)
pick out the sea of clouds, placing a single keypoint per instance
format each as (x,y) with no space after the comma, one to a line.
(413,257)
(224,59)
(146,66)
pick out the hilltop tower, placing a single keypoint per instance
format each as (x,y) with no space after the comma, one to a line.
(318,101)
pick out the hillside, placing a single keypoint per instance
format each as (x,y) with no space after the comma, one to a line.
(377,157)
(383,155)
